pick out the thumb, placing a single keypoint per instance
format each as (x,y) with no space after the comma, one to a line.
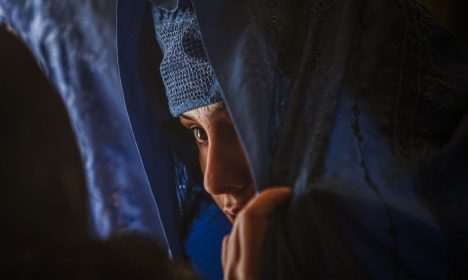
(268,200)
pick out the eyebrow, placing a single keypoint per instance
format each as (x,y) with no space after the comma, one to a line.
(186,117)
(219,108)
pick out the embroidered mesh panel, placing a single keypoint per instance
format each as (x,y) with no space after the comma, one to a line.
(187,75)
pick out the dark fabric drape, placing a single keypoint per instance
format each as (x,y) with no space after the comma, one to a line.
(74,43)
(378,95)
(350,102)
(358,105)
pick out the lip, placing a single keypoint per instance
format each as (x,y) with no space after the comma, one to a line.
(232,212)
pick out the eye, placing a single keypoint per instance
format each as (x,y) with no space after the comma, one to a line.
(200,135)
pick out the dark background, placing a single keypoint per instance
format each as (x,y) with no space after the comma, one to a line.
(42,187)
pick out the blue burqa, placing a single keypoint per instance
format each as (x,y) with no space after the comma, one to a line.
(360,106)
(74,42)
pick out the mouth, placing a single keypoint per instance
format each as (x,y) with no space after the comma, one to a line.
(232,212)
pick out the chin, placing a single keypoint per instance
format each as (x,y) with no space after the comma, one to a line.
(231,218)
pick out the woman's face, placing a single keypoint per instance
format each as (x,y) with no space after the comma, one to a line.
(222,159)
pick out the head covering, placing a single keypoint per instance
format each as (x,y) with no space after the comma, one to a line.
(187,75)
(373,86)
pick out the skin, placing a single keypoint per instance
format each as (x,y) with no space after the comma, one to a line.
(222,159)
(227,179)
(243,246)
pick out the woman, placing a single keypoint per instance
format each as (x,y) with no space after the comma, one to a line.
(358,106)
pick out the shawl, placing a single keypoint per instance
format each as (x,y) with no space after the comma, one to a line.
(359,105)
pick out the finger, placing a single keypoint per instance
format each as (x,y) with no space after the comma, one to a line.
(231,253)
(250,229)
(224,251)
(267,201)
(241,249)
(250,244)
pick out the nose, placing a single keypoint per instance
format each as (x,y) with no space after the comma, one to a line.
(226,169)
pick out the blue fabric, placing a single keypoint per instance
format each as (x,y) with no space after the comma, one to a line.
(168,5)
(74,43)
(163,147)
(371,134)
(350,103)
(203,243)
(188,77)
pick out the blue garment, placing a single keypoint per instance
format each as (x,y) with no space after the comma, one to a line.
(350,103)
(203,243)
(361,106)
(74,43)
(187,75)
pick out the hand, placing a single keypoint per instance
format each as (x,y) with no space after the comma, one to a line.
(242,248)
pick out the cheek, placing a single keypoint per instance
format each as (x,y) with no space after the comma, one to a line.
(202,159)
(218,200)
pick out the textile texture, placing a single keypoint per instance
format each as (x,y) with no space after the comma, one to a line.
(188,77)
(74,43)
(360,106)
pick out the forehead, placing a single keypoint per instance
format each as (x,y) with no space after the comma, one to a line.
(208,113)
